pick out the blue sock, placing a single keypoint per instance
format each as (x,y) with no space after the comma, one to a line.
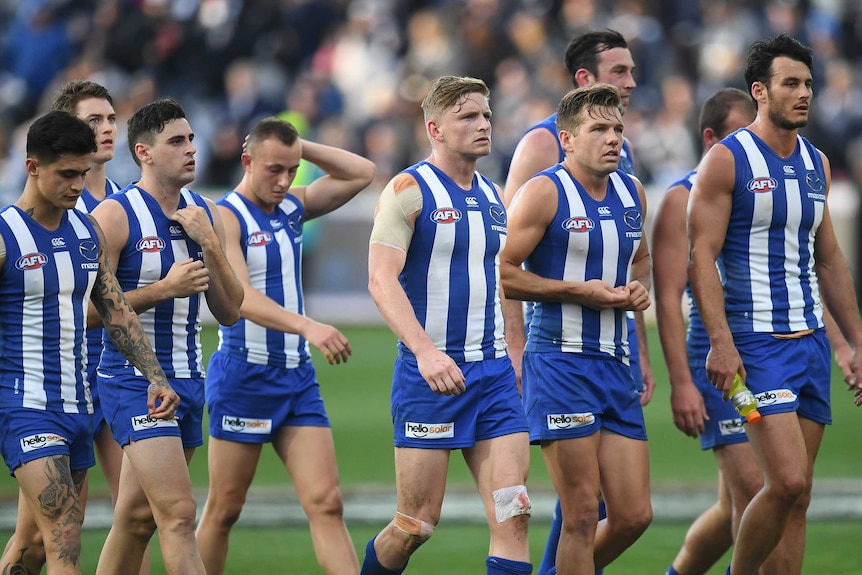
(371,566)
(728,570)
(671,571)
(500,566)
(549,557)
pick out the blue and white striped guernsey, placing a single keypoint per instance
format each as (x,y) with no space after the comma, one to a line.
(452,272)
(45,288)
(768,254)
(87,203)
(155,243)
(587,239)
(272,246)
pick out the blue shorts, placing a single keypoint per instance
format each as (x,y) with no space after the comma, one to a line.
(569,395)
(124,403)
(30,434)
(249,402)
(788,374)
(490,407)
(724,426)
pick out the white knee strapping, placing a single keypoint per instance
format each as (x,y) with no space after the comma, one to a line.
(511,502)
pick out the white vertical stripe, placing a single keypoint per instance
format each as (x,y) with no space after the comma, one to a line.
(807,160)
(758,251)
(437,316)
(180,320)
(499,325)
(478,288)
(610,262)
(68,375)
(31,328)
(574,269)
(791,253)
(622,191)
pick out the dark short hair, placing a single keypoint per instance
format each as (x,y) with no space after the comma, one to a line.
(59,133)
(273,127)
(150,120)
(717,108)
(758,64)
(72,93)
(579,99)
(583,51)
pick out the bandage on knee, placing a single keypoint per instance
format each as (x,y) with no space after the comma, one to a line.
(415,528)
(511,502)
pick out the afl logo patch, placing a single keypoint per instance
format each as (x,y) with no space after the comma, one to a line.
(633,219)
(758,185)
(498,213)
(150,244)
(578,224)
(89,250)
(445,216)
(31,261)
(259,239)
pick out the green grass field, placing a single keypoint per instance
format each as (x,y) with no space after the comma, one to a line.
(357,396)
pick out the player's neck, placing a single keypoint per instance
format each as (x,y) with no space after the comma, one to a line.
(595,183)
(166,193)
(780,140)
(44,213)
(459,169)
(244,189)
(95,181)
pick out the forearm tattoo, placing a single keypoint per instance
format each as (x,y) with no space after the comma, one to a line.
(123,327)
(59,501)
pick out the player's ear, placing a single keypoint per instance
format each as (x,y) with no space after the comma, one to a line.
(32,165)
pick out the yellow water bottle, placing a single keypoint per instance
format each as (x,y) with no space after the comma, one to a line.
(743,400)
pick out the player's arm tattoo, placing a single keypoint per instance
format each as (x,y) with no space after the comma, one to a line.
(121,323)
(59,501)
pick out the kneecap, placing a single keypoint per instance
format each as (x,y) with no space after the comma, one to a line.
(418,530)
(511,502)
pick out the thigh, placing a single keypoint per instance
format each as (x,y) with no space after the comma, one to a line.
(624,470)
(155,470)
(51,491)
(231,466)
(420,476)
(499,462)
(308,454)
(573,466)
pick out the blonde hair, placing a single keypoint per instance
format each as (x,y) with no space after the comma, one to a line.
(448,91)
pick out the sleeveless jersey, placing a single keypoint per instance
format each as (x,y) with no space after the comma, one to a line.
(272,247)
(154,244)
(87,203)
(451,275)
(768,254)
(45,288)
(587,239)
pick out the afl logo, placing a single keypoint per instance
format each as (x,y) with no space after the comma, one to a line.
(758,185)
(578,224)
(150,244)
(445,216)
(259,239)
(32,261)
(498,213)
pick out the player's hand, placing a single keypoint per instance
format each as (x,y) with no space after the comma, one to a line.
(689,412)
(162,401)
(441,372)
(331,342)
(187,278)
(649,385)
(601,295)
(854,378)
(638,297)
(196,222)
(722,365)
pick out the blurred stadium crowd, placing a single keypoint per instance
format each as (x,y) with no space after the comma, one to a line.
(351,72)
